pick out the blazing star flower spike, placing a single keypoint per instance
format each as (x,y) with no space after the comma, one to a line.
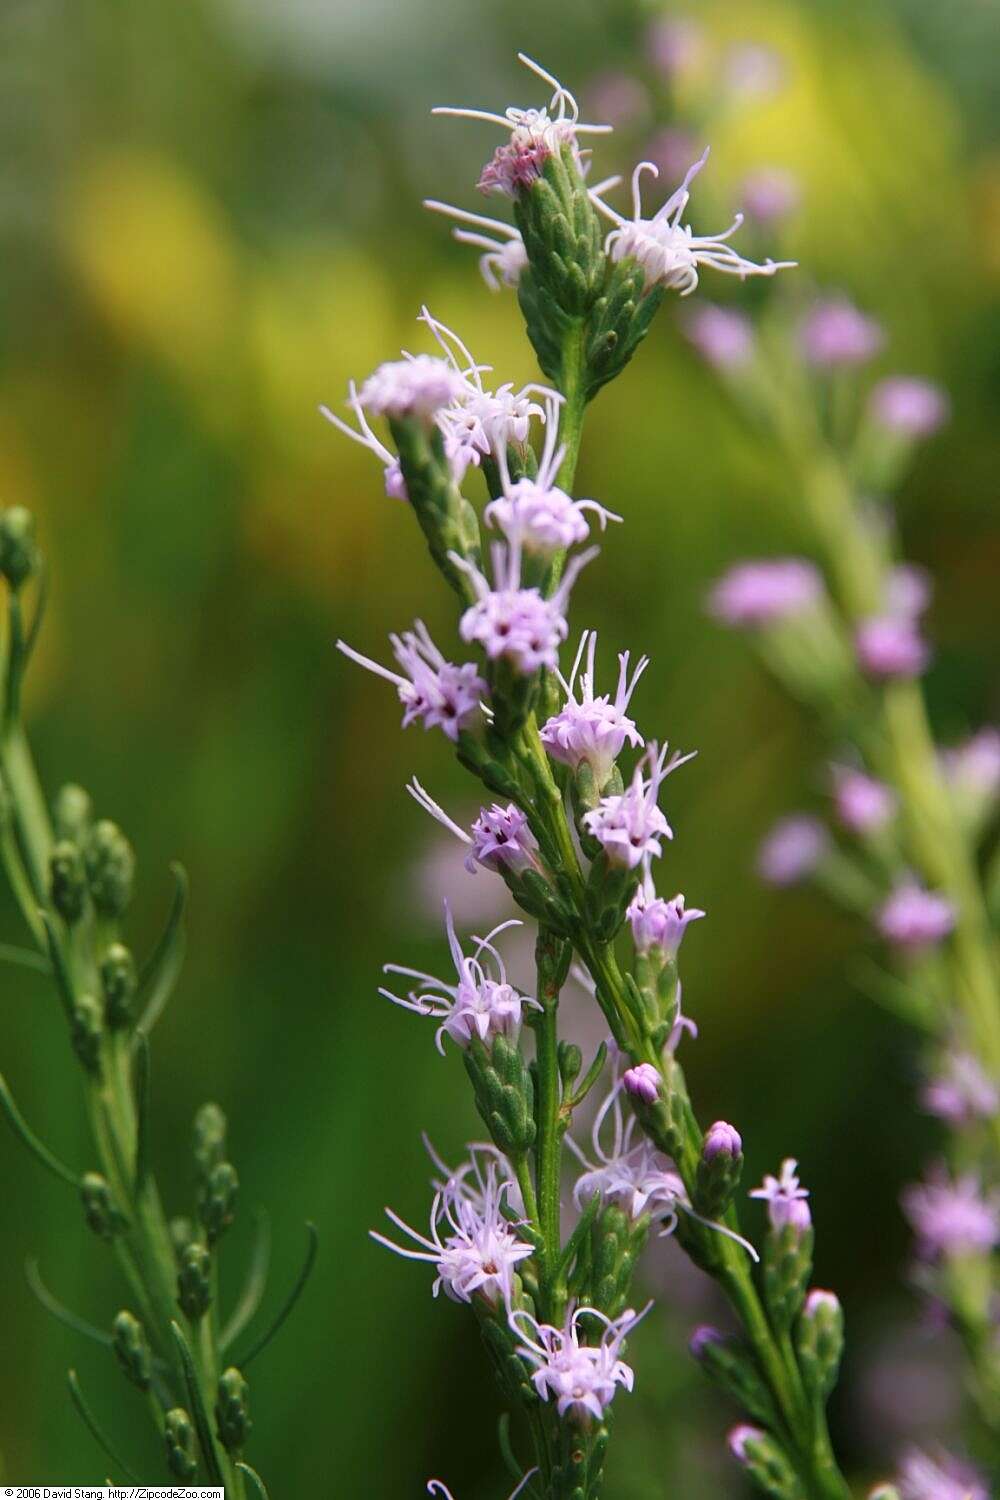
(581,1378)
(513,623)
(669,252)
(629,826)
(434,692)
(591,728)
(479,1004)
(535,135)
(535,514)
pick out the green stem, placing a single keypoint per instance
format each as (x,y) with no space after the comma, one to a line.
(548,1148)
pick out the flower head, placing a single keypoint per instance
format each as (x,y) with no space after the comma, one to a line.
(738,1439)
(669,252)
(721,335)
(416,387)
(785,1198)
(480,1004)
(973,768)
(534,513)
(792,850)
(504,257)
(915,918)
(643,1083)
(891,646)
(703,1338)
(581,1378)
(591,727)
(518,624)
(721,1139)
(395,486)
(761,592)
(951,1216)
(502,839)
(836,334)
(908,406)
(626,1171)
(942,1477)
(961,1091)
(472,1241)
(657,923)
(535,135)
(629,825)
(863,804)
(433,691)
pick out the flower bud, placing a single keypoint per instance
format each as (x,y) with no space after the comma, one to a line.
(504,1093)
(118,981)
(719,1170)
(819,1342)
(570,1062)
(194,1285)
(728,1362)
(209,1137)
(18,550)
(217,1200)
(232,1413)
(110,863)
(99,1209)
(643,1083)
(764,1459)
(787,1262)
(132,1350)
(617,1240)
(86,1030)
(67,881)
(182,1232)
(179,1438)
(71,813)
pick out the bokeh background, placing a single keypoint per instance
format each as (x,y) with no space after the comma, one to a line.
(209,220)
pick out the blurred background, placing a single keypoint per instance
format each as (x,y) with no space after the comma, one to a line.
(210,220)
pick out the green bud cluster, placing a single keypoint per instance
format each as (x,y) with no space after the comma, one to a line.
(217,1199)
(179,1440)
(119,983)
(110,865)
(563,239)
(67,881)
(132,1349)
(504,1093)
(577,1471)
(786,1269)
(232,1410)
(100,1211)
(86,1030)
(616,1242)
(610,888)
(19,556)
(194,1280)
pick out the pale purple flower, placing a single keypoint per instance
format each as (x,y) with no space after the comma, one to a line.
(951,1216)
(472,1241)
(657,923)
(753,70)
(863,804)
(504,258)
(500,838)
(629,826)
(535,134)
(785,1198)
(668,251)
(642,1082)
(581,1378)
(769,194)
(480,1004)
(973,768)
(721,1139)
(738,1438)
(962,1091)
(395,485)
(416,387)
(764,591)
(434,692)
(591,727)
(792,850)
(891,646)
(836,334)
(915,918)
(817,1299)
(535,514)
(518,624)
(908,591)
(909,406)
(703,1337)
(674,45)
(721,335)
(942,1477)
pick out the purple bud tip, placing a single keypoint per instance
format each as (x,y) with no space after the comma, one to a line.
(721,1137)
(817,1300)
(738,1439)
(703,1335)
(794,1211)
(643,1082)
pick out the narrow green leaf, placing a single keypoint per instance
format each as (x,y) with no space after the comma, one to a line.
(289,1303)
(506,1451)
(254,1478)
(203,1427)
(10,953)
(255,1284)
(76,1395)
(58,1311)
(157,979)
(38,616)
(20,1128)
(591,1076)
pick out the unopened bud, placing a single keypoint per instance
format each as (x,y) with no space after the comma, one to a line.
(178,1436)
(730,1364)
(71,813)
(762,1456)
(18,549)
(719,1169)
(232,1412)
(67,881)
(819,1341)
(209,1137)
(132,1350)
(118,980)
(570,1063)
(110,863)
(217,1199)
(194,1281)
(643,1082)
(86,1030)
(100,1211)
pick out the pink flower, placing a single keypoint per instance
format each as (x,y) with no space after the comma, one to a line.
(721,335)
(835,334)
(434,692)
(890,646)
(792,850)
(589,727)
(762,592)
(915,918)
(630,825)
(580,1378)
(951,1216)
(909,406)
(864,805)
(785,1198)
(642,1082)
(515,623)
(657,923)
